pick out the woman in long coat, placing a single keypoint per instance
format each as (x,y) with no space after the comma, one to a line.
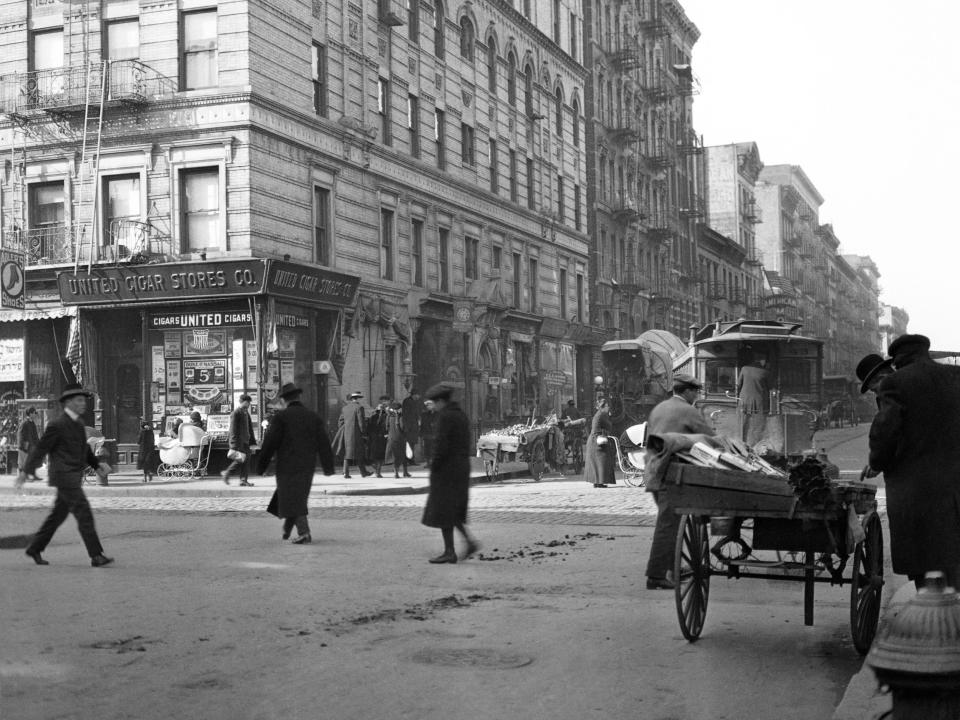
(599,458)
(397,439)
(298,437)
(449,475)
(377,435)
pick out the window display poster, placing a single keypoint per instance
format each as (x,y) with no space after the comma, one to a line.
(157,364)
(273,374)
(286,371)
(11,360)
(238,359)
(173,374)
(287,343)
(204,341)
(171,344)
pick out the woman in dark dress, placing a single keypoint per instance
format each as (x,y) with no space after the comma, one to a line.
(148,457)
(449,475)
(599,456)
(377,435)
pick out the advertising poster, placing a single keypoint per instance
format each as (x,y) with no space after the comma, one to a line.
(173,375)
(287,343)
(251,350)
(204,341)
(11,360)
(204,381)
(171,344)
(157,365)
(286,371)
(238,363)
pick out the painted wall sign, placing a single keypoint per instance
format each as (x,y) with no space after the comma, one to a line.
(200,319)
(11,360)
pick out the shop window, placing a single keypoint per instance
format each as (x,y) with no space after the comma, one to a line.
(471,255)
(319,69)
(443,260)
(123,40)
(200,209)
(386,244)
(198,53)
(121,214)
(416,253)
(321,225)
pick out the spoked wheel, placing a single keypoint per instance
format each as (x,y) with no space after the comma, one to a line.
(538,459)
(691,573)
(866,584)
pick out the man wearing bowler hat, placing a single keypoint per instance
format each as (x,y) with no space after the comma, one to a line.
(915,443)
(240,440)
(351,432)
(64,443)
(872,370)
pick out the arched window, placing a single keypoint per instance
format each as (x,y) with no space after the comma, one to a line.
(512,79)
(576,123)
(492,65)
(558,111)
(438,44)
(466,38)
(528,91)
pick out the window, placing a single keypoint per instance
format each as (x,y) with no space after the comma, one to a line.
(123,40)
(528,91)
(513,176)
(48,235)
(413,124)
(466,38)
(561,205)
(199,209)
(516,280)
(383,107)
(198,61)
(531,194)
(494,167)
(438,44)
(573,35)
(443,260)
(492,65)
(121,206)
(496,258)
(527,10)
(466,139)
(319,69)
(563,294)
(386,243)
(390,368)
(533,279)
(440,137)
(471,258)
(413,21)
(576,123)
(416,253)
(512,79)
(558,112)
(580,298)
(46,50)
(556,21)
(321,225)
(603,177)
(576,206)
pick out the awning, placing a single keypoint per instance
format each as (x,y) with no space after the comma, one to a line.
(43,312)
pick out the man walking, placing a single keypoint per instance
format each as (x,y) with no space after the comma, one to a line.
(64,443)
(240,439)
(27,436)
(350,430)
(915,442)
(297,436)
(676,414)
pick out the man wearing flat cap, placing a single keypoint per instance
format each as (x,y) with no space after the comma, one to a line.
(239,441)
(676,414)
(915,442)
(350,440)
(64,443)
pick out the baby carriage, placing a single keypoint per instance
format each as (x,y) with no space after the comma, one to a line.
(630,454)
(183,460)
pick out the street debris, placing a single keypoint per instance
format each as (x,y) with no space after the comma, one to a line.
(535,554)
(419,611)
(136,643)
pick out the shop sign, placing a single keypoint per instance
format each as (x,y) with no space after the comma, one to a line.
(554,327)
(12,279)
(305,282)
(199,319)
(11,360)
(463,316)
(493,381)
(555,378)
(177,281)
(291,321)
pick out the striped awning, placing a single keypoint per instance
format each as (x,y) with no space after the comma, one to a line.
(38,311)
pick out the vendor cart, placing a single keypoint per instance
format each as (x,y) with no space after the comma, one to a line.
(540,447)
(750,525)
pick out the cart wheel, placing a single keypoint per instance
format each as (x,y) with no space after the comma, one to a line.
(866,584)
(538,460)
(691,573)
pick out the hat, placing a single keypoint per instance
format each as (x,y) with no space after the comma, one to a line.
(570,402)
(439,392)
(354,395)
(196,417)
(246,398)
(870,366)
(289,389)
(908,345)
(684,381)
(395,405)
(72,390)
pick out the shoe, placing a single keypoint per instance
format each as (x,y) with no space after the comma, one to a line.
(286,533)
(346,476)
(447,557)
(660,584)
(100,561)
(406,474)
(226,477)
(35,554)
(379,475)
(599,485)
(303,540)
(396,476)
(472,547)
(246,484)
(364,474)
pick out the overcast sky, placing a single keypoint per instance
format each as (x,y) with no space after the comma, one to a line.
(862,94)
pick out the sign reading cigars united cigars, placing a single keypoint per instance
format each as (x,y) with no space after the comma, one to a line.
(212,279)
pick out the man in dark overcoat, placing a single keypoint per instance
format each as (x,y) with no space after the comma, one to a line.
(449,475)
(915,442)
(297,436)
(377,435)
(753,399)
(239,440)
(411,408)
(64,444)
(27,436)
(676,414)
(351,431)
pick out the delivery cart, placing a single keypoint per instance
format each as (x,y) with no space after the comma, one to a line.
(541,447)
(750,525)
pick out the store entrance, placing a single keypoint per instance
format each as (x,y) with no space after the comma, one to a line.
(129,403)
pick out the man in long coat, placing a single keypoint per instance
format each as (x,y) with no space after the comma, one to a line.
(351,431)
(27,436)
(449,475)
(915,442)
(298,437)
(240,439)
(753,400)
(676,414)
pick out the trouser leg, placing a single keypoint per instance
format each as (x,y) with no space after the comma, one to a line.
(664,538)
(44,535)
(303,527)
(243,468)
(288,524)
(346,467)
(234,464)
(80,507)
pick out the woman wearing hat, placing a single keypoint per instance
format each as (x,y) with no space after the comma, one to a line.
(599,453)
(148,457)
(449,475)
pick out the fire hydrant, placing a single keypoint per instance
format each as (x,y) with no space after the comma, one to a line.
(918,654)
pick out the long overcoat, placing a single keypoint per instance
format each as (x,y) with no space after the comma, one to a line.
(27,439)
(148,457)
(412,408)
(673,415)
(297,436)
(449,470)
(752,389)
(915,441)
(599,460)
(350,432)
(396,438)
(377,435)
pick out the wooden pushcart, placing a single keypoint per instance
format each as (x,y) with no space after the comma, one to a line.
(759,529)
(539,447)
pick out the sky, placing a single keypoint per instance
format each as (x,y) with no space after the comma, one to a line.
(863,95)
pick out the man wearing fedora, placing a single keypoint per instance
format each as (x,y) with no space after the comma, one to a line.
(64,443)
(915,443)
(297,436)
(240,439)
(351,432)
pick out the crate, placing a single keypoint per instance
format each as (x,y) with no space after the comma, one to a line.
(710,491)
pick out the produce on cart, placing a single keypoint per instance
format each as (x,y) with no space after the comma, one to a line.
(538,445)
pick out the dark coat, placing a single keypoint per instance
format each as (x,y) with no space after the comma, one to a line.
(64,442)
(449,470)
(377,435)
(350,430)
(297,436)
(396,438)
(598,467)
(915,441)
(673,415)
(753,389)
(412,408)
(148,457)
(27,439)
(241,431)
